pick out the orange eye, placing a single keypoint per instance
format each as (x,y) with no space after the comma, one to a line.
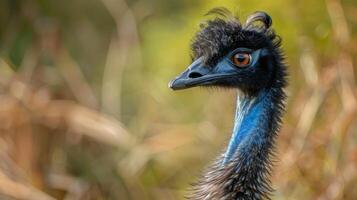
(241,59)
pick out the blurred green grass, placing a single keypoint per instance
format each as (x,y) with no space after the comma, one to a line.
(86,113)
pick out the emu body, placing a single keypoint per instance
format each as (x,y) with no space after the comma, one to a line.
(246,57)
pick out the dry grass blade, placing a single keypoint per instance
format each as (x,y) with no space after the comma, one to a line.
(122,43)
(64,113)
(76,80)
(75,188)
(19,191)
(82,120)
(98,126)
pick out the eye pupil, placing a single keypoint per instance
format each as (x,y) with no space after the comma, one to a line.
(241,59)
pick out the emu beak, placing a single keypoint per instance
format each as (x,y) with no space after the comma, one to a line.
(191,77)
(196,74)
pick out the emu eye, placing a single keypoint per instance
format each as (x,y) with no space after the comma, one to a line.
(241,59)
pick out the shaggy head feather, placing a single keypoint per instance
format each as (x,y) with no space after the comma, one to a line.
(224,33)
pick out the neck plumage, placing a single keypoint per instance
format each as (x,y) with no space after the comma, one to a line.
(242,172)
(252,125)
(248,111)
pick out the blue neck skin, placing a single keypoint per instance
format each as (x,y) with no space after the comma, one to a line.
(250,120)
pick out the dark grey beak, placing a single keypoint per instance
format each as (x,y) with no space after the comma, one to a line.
(197,74)
(192,76)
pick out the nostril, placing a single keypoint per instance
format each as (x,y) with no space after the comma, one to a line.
(194,75)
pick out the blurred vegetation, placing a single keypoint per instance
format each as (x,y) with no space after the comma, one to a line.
(86,113)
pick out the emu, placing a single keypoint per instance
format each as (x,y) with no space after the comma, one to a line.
(247,57)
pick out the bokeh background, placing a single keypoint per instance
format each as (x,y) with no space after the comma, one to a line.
(85,112)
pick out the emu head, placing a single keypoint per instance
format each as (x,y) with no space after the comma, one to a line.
(230,54)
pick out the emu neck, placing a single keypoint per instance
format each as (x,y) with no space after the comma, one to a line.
(252,118)
(243,171)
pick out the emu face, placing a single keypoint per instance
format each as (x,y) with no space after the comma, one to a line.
(228,54)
